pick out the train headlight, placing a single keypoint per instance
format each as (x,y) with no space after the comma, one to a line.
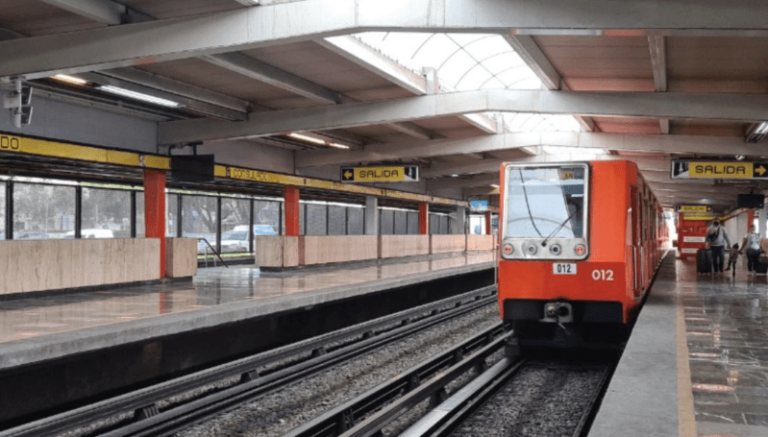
(580,250)
(555,249)
(530,249)
(508,249)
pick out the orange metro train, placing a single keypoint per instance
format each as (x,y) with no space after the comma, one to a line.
(579,245)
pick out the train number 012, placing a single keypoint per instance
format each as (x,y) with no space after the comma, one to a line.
(602,275)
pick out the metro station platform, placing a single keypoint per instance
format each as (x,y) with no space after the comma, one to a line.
(697,361)
(37,329)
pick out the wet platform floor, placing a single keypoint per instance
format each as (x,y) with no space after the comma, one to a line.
(36,317)
(726,321)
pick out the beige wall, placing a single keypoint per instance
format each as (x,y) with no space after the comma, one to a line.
(343,248)
(479,242)
(393,246)
(39,265)
(181,257)
(275,251)
(447,243)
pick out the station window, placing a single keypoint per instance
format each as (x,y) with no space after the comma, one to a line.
(43,211)
(317,220)
(171,215)
(266,217)
(2,210)
(413,223)
(198,218)
(387,222)
(106,213)
(337,220)
(356,223)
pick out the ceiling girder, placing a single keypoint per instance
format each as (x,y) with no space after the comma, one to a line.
(249,28)
(612,104)
(681,144)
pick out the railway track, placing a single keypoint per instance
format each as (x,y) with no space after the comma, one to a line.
(147,412)
(382,410)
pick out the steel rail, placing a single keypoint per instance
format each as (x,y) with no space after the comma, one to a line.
(372,334)
(405,391)
(445,418)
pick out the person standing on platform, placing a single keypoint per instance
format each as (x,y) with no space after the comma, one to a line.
(751,243)
(717,237)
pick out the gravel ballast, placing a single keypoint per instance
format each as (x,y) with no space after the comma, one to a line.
(279,412)
(538,402)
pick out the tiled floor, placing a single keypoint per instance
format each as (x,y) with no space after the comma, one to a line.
(23,319)
(726,320)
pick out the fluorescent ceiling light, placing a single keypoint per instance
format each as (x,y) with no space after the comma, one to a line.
(495,185)
(763,128)
(139,96)
(69,79)
(338,146)
(306,138)
(314,140)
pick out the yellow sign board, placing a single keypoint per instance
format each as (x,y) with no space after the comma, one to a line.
(682,169)
(695,208)
(401,173)
(53,149)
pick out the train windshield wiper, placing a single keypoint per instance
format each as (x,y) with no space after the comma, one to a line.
(570,216)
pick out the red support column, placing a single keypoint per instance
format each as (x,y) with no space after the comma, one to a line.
(488,229)
(424,218)
(154,210)
(291,195)
(750,218)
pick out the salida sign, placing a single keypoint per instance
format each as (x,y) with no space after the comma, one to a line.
(402,173)
(719,170)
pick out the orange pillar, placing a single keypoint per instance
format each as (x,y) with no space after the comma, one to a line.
(750,218)
(488,229)
(424,218)
(291,196)
(154,210)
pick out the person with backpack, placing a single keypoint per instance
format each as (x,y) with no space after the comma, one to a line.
(717,237)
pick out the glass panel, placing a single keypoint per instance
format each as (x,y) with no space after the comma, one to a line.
(316,219)
(434,224)
(2,210)
(106,213)
(356,221)
(235,219)
(171,213)
(444,225)
(141,229)
(198,219)
(302,221)
(386,222)
(43,211)
(543,202)
(400,223)
(413,223)
(337,224)
(266,217)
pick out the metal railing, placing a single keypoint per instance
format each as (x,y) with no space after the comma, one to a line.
(218,255)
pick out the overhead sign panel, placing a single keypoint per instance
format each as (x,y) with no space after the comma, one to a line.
(401,173)
(478,205)
(694,208)
(719,170)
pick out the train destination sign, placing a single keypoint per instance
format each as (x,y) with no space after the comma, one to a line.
(401,173)
(719,170)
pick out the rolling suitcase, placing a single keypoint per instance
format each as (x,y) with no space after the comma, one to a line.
(704,261)
(762,266)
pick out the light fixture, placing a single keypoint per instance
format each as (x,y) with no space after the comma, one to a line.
(69,79)
(757,132)
(338,146)
(139,96)
(306,138)
(495,185)
(314,140)
(454,175)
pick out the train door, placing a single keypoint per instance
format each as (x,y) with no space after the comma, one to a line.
(637,279)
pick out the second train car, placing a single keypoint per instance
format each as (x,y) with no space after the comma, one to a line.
(580,243)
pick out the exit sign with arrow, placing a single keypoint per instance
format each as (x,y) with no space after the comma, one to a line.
(719,170)
(399,173)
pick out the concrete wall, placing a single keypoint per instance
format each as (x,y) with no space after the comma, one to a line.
(38,265)
(336,249)
(394,246)
(277,252)
(480,242)
(180,257)
(447,243)
(61,121)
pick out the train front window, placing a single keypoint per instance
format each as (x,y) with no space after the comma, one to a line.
(545,202)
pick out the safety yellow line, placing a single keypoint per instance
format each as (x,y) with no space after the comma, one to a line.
(686,417)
